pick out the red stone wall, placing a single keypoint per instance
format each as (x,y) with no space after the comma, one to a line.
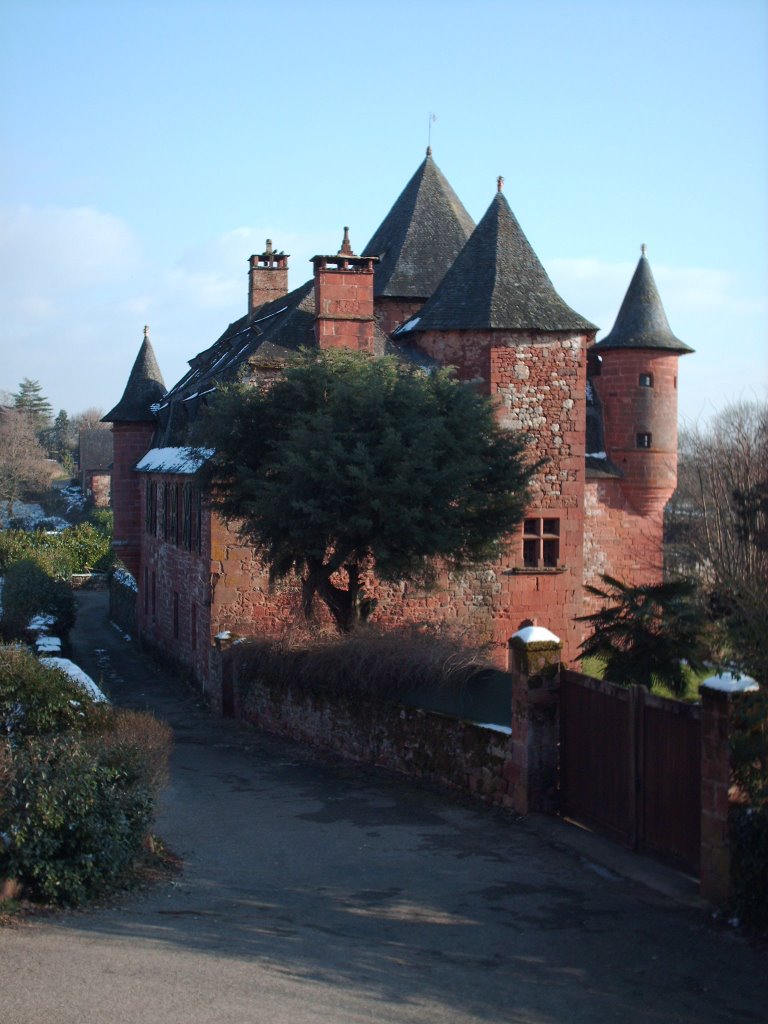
(650,475)
(173,609)
(618,541)
(391,313)
(131,441)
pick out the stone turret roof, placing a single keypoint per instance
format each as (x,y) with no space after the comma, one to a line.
(144,389)
(420,237)
(497,282)
(642,322)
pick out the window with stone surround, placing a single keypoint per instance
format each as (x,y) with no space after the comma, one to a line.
(541,543)
(186,532)
(644,440)
(166,511)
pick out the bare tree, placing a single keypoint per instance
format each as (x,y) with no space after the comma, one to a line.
(719,519)
(23,463)
(88,419)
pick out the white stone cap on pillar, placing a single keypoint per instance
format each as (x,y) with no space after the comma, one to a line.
(727,682)
(535,635)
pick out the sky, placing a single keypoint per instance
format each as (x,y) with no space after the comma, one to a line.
(150,148)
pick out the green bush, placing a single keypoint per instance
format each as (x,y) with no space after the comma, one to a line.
(78,781)
(71,822)
(28,591)
(81,548)
(36,700)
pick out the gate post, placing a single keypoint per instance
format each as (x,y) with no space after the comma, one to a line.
(718,695)
(534,662)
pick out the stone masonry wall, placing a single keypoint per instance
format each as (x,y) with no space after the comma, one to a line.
(617,540)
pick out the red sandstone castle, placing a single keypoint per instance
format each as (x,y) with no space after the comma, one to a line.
(432,288)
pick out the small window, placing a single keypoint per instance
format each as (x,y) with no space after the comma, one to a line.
(151,507)
(646,380)
(643,440)
(541,543)
(166,511)
(154,594)
(193,627)
(186,534)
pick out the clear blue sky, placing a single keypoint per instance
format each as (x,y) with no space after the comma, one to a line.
(150,148)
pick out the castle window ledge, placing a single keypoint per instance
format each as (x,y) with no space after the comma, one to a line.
(543,570)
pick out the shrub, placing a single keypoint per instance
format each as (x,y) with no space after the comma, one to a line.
(72,823)
(77,549)
(370,664)
(78,782)
(36,700)
(30,591)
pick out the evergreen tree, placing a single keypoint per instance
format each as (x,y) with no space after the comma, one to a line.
(30,401)
(350,463)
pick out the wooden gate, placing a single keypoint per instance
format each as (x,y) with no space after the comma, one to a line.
(630,765)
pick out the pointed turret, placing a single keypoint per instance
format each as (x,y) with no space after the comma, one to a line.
(642,322)
(497,282)
(145,387)
(133,422)
(416,243)
(634,369)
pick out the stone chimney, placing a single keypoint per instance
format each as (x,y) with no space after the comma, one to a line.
(344,299)
(267,277)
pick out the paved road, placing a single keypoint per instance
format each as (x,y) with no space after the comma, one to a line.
(319,892)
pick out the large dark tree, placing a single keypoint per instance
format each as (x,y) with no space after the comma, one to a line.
(349,463)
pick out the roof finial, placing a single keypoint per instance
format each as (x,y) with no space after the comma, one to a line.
(643,247)
(429,151)
(346,248)
(432,119)
(500,184)
(146,332)
(268,249)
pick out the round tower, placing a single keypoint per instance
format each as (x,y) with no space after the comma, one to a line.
(133,425)
(635,371)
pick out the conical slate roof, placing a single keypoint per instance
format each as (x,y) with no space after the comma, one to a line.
(420,237)
(497,281)
(145,387)
(642,322)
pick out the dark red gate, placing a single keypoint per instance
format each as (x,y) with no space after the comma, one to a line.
(630,765)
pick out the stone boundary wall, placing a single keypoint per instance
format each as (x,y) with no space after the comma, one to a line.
(424,744)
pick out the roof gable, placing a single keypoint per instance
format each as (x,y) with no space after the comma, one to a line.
(642,322)
(420,237)
(145,387)
(498,282)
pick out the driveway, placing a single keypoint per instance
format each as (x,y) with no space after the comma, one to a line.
(314,890)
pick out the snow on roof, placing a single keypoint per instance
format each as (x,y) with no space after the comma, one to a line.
(173,460)
(728,682)
(535,635)
(77,675)
(410,326)
(125,578)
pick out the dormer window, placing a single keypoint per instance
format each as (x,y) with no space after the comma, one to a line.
(646,380)
(643,440)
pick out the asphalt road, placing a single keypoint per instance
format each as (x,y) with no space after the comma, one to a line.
(316,891)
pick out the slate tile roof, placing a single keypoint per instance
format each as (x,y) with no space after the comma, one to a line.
(497,282)
(642,322)
(420,237)
(144,389)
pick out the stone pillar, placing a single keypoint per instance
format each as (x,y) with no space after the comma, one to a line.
(534,660)
(718,697)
